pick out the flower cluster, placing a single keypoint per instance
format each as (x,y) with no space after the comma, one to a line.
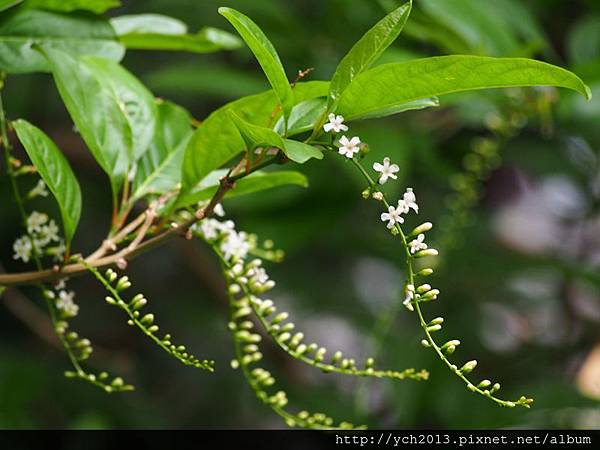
(63,299)
(247,281)
(41,232)
(415,247)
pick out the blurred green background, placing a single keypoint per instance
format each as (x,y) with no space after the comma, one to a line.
(510,180)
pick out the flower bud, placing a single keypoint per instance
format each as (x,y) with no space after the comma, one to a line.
(423,228)
(427,252)
(469,366)
(425,272)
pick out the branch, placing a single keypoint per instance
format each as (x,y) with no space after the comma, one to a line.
(128,253)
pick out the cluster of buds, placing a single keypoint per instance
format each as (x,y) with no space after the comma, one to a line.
(102,380)
(145,322)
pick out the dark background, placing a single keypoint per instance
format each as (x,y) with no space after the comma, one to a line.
(518,269)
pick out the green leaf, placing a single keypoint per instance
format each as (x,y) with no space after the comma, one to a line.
(158,32)
(217,139)
(366,51)
(159,170)
(398,108)
(300,152)
(130,96)
(95,6)
(265,54)
(256,136)
(303,117)
(56,172)
(5,4)
(76,34)
(255,182)
(112,110)
(392,84)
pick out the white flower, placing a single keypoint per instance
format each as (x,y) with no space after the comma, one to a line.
(392,217)
(35,221)
(22,248)
(58,251)
(66,304)
(259,275)
(235,246)
(417,244)
(47,233)
(39,190)
(387,170)
(410,296)
(349,147)
(210,228)
(336,123)
(218,210)
(62,284)
(409,200)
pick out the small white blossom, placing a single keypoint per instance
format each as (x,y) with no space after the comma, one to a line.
(348,147)
(410,296)
(39,190)
(58,252)
(209,228)
(336,123)
(408,201)
(22,248)
(218,210)
(35,221)
(235,246)
(66,304)
(418,244)
(259,275)
(46,234)
(387,170)
(392,217)
(62,284)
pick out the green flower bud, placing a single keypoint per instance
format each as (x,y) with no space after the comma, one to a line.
(469,366)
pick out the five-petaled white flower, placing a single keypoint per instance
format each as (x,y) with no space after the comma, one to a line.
(22,248)
(387,170)
(348,147)
(35,221)
(418,244)
(336,123)
(392,217)
(408,201)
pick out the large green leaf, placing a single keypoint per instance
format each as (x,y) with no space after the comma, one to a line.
(56,172)
(96,6)
(113,112)
(158,32)
(255,182)
(366,51)
(217,139)
(159,170)
(392,84)
(266,55)
(131,97)
(76,34)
